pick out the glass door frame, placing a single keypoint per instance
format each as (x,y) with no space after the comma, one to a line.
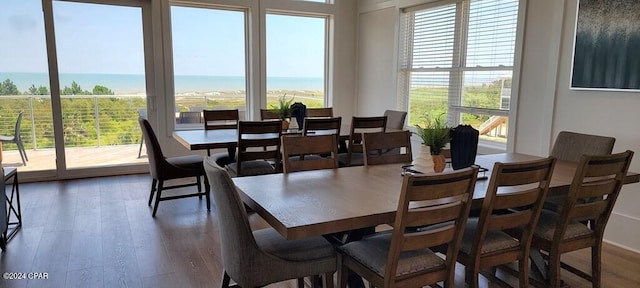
(62,171)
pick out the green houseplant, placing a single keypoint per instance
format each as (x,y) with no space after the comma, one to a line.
(435,134)
(283,107)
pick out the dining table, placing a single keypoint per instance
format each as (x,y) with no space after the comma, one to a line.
(201,139)
(322,202)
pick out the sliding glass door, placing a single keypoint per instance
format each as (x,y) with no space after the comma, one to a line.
(100,57)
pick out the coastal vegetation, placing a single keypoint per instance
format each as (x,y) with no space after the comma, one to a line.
(99,117)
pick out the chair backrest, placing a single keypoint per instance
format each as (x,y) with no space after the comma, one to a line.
(142,113)
(220,119)
(238,247)
(395,119)
(264,135)
(324,148)
(319,112)
(437,204)
(268,114)
(361,125)
(519,188)
(16,132)
(315,126)
(156,158)
(190,117)
(593,193)
(387,147)
(570,146)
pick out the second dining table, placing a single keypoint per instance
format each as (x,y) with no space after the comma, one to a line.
(321,202)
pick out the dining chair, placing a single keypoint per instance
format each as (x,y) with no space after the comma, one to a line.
(437,204)
(262,257)
(387,148)
(268,114)
(320,112)
(164,168)
(16,139)
(217,120)
(395,119)
(186,117)
(513,202)
(315,126)
(592,195)
(570,146)
(360,125)
(258,143)
(303,153)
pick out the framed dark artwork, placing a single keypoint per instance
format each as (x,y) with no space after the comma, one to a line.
(606,52)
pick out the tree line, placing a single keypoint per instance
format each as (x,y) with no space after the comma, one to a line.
(7,87)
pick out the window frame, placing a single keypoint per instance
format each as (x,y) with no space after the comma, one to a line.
(458,68)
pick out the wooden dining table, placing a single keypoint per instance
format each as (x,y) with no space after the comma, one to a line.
(321,202)
(201,139)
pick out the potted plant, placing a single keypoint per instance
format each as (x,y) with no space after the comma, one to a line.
(435,134)
(283,109)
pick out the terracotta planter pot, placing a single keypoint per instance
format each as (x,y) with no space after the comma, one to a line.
(439,163)
(285,125)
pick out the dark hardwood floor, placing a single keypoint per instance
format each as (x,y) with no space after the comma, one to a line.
(99,232)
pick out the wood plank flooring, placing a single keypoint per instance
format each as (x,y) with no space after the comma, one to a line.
(99,232)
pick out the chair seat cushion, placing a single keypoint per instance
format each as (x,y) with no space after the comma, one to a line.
(373,251)
(187,162)
(222,159)
(306,249)
(493,241)
(547,227)
(184,166)
(249,168)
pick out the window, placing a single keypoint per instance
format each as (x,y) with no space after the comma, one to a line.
(209,61)
(295,59)
(457,60)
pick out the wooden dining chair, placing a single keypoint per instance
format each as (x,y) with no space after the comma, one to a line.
(268,114)
(319,112)
(592,195)
(221,119)
(258,143)
(164,168)
(303,153)
(315,126)
(387,148)
(258,258)
(438,205)
(360,125)
(513,202)
(186,117)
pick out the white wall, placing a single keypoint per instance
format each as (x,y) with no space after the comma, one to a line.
(546,105)
(376,56)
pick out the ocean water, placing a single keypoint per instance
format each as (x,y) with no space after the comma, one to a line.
(130,83)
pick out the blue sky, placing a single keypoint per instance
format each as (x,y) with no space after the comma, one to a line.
(95,38)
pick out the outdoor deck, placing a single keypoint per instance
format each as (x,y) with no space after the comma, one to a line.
(44,159)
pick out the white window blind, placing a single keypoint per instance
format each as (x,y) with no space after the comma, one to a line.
(457,59)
